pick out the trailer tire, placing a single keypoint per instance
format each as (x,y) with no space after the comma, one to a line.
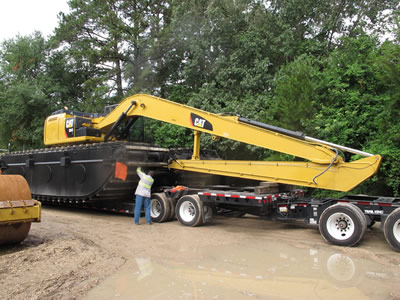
(391,229)
(159,208)
(189,210)
(364,220)
(342,224)
(172,203)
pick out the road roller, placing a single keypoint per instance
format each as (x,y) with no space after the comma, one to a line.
(17,209)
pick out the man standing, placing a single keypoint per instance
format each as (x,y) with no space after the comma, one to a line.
(143,194)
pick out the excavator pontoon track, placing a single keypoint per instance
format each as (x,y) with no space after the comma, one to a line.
(81,174)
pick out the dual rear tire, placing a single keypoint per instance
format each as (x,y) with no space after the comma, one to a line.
(342,224)
(162,209)
(391,229)
(189,210)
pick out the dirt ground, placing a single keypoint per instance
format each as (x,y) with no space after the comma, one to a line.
(76,254)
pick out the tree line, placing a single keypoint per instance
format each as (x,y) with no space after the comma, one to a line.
(322,67)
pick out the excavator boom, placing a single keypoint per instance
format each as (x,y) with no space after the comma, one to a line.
(221,126)
(324,168)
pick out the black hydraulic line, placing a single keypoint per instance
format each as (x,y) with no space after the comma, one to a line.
(295,134)
(125,132)
(118,122)
(142,130)
(330,165)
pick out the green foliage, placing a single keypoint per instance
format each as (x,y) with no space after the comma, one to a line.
(296,93)
(359,107)
(20,123)
(115,40)
(351,98)
(24,96)
(386,141)
(167,135)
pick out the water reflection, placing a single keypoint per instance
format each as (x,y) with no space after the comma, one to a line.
(341,267)
(145,267)
(240,273)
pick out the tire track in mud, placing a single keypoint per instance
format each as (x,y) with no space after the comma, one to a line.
(54,263)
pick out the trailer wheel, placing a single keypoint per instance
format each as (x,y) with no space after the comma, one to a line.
(189,210)
(391,229)
(159,208)
(342,224)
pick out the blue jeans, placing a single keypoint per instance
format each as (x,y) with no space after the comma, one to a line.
(138,208)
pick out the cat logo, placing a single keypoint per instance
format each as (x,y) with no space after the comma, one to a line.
(69,127)
(200,122)
(69,123)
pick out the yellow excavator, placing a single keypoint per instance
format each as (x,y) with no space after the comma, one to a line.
(17,209)
(324,167)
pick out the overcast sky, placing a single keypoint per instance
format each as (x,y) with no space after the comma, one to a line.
(26,16)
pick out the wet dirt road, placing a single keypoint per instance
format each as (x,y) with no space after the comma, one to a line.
(89,255)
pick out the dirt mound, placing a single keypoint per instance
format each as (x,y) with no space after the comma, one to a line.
(54,264)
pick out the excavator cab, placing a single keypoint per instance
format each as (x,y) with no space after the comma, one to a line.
(71,127)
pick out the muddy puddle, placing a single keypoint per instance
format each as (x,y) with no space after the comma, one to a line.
(256,271)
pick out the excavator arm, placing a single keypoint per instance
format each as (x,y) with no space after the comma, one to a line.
(324,167)
(220,126)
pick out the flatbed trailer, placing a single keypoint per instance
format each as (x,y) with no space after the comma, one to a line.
(341,221)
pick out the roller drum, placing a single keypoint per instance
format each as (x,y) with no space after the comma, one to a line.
(17,209)
(14,187)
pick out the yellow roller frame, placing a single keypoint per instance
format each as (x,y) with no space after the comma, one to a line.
(20,211)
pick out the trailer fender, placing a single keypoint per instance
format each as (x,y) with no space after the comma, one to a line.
(208,211)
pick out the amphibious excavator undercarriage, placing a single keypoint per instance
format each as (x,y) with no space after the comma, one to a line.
(89,174)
